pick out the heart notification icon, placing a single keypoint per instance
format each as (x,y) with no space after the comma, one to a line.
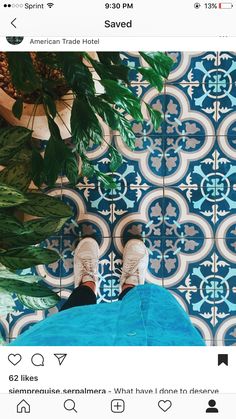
(164,405)
(14,359)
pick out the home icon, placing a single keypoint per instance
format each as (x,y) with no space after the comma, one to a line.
(23,407)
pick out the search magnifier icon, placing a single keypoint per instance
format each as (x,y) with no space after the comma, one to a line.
(70,405)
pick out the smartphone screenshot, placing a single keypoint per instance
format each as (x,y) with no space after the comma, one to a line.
(117,209)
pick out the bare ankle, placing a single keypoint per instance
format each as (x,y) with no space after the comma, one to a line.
(125,286)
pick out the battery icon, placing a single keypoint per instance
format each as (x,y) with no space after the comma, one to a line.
(226,5)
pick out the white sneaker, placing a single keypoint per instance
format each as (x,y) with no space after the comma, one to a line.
(135,263)
(86,259)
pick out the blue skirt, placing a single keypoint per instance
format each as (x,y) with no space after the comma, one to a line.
(147,316)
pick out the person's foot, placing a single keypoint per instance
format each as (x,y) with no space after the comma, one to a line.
(86,259)
(135,263)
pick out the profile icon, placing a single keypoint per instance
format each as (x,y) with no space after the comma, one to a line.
(212,407)
(14,40)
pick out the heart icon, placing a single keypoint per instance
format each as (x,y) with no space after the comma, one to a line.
(164,405)
(14,359)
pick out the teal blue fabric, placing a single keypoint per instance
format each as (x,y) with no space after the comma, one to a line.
(147,316)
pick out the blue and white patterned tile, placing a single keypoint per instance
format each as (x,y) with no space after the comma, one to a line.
(194,68)
(186,218)
(214,204)
(176,192)
(226,231)
(184,115)
(143,166)
(150,96)
(180,258)
(225,165)
(4,330)
(202,321)
(226,131)
(133,60)
(224,281)
(194,102)
(227,62)
(201,203)
(92,208)
(171,260)
(23,318)
(190,162)
(51,273)
(226,333)
(164,213)
(225,294)
(109,277)
(210,169)
(145,220)
(198,276)
(211,289)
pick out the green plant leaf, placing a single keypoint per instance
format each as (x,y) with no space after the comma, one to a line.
(111,71)
(152,77)
(88,170)
(71,169)
(159,62)
(45,226)
(26,257)
(17,108)
(33,232)
(3,123)
(84,125)
(107,180)
(116,159)
(55,154)
(23,73)
(37,168)
(126,132)
(30,279)
(23,155)
(105,111)
(122,97)
(77,74)
(10,197)
(119,72)
(43,303)
(49,102)
(14,286)
(109,57)
(156,117)
(9,226)
(17,175)
(11,140)
(42,205)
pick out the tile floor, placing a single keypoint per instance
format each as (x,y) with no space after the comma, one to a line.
(177,192)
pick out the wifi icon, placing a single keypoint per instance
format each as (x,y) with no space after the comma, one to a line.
(50,5)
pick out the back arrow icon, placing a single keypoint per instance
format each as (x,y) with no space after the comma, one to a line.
(12,23)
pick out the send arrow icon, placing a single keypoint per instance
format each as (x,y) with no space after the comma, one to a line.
(60,357)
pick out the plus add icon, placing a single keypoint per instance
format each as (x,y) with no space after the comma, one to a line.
(117,406)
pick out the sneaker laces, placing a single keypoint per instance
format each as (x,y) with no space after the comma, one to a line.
(129,268)
(89,269)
